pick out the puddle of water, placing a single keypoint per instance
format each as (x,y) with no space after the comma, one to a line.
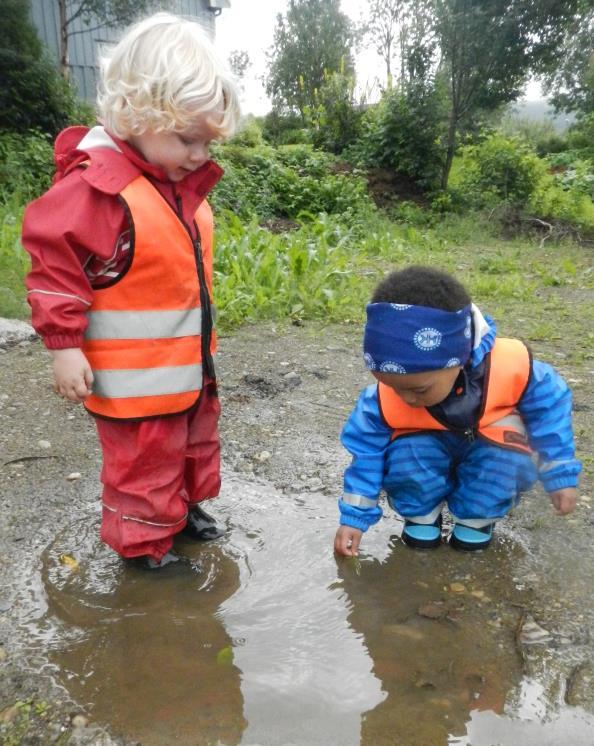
(270,640)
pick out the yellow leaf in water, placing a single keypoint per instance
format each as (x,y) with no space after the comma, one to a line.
(69,561)
(225,656)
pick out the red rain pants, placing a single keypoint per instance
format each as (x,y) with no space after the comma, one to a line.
(153,471)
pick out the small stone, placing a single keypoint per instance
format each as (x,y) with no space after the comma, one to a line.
(3,655)
(433,610)
(585,498)
(9,714)
(44,444)
(315,484)
(457,587)
(79,721)
(263,456)
(478,594)
(73,476)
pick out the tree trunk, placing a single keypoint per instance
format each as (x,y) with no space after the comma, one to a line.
(451,148)
(64,68)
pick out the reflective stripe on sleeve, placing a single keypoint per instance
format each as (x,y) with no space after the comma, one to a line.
(359,501)
(143,324)
(121,384)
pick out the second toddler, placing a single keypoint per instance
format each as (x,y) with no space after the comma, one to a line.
(455,418)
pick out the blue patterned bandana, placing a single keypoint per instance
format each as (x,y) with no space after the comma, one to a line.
(413,339)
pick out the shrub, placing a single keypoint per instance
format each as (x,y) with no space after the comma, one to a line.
(288,182)
(284,129)
(498,170)
(402,133)
(26,164)
(334,116)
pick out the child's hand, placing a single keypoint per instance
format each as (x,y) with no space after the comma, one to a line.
(73,377)
(347,540)
(564,500)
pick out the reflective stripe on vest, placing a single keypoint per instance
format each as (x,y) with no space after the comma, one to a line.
(143,339)
(506,377)
(143,324)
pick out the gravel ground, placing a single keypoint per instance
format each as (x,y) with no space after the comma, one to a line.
(285,391)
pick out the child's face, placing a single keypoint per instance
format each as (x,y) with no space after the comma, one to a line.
(177,153)
(421,389)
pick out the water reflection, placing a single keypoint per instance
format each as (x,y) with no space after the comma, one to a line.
(146,653)
(440,650)
(272,641)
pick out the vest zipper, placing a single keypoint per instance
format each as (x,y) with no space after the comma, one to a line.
(207,361)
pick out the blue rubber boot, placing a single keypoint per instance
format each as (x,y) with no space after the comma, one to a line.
(422,535)
(468,539)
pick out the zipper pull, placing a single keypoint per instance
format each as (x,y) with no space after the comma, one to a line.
(469,434)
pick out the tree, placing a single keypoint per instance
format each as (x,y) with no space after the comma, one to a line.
(489,47)
(94,14)
(313,39)
(382,27)
(570,80)
(33,95)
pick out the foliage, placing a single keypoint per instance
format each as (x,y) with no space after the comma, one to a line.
(499,170)
(334,116)
(570,79)
(32,93)
(26,165)
(314,37)
(291,182)
(284,129)
(402,133)
(488,48)
(14,263)
(311,273)
(384,18)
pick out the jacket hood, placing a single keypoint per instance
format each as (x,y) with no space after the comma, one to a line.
(485,331)
(114,163)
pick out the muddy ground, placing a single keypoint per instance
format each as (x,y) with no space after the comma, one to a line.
(285,391)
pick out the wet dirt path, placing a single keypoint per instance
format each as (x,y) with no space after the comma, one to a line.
(270,639)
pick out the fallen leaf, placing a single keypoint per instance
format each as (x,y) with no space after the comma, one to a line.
(69,561)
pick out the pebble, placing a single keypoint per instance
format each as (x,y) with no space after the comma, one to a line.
(73,476)
(457,587)
(79,721)
(263,456)
(2,655)
(44,444)
(315,484)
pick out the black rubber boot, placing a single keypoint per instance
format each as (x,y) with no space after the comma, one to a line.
(201,526)
(169,560)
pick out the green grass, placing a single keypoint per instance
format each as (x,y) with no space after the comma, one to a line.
(14,263)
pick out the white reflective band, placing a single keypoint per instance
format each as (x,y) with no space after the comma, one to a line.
(513,422)
(143,324)
(552,464)
(359,501)
(123,384)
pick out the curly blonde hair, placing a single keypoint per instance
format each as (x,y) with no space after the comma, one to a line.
(161,77)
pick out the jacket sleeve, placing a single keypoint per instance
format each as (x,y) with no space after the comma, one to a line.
(546,410)
(62,231)
(366,437)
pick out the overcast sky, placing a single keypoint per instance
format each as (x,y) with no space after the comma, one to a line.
(249,25)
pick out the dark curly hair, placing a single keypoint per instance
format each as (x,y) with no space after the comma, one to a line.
(422,286)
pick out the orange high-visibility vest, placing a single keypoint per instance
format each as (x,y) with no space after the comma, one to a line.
(149,331)
(507,373)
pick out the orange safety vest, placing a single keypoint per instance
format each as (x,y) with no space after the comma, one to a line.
(507,373)
(150,331)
